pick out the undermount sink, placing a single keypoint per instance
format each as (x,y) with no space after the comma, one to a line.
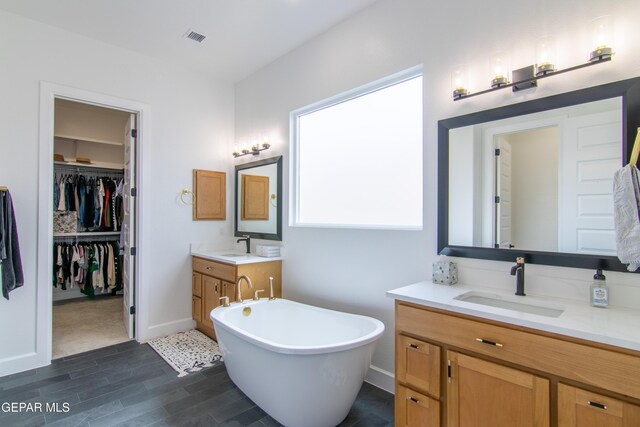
(233,255)
(521,304)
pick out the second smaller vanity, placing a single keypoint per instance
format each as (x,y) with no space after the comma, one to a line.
(214,275)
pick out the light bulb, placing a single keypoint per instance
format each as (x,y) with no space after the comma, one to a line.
(459,82)
(500,70)
(546,56)
(601,30)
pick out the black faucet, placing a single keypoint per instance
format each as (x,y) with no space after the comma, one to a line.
(247,240)
(518,271)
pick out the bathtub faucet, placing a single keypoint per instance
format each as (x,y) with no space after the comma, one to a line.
(246,278)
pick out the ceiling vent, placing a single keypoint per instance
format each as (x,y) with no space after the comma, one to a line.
(195,36)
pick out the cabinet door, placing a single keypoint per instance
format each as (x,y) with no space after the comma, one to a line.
(577,407)
(196,284)
(418,364)
(415,409)
(196,308)
(211,298)
(210,190)
(485,394)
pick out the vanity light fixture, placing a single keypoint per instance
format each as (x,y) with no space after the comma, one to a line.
(601,36)
(255,149)
(527,77)
(545,56)
(460,82)
(500,69)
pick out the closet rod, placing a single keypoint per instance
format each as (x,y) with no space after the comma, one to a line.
(93,173)
(85,239)
(87,169)
(3,188)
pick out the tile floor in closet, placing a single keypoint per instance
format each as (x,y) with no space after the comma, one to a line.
(85,324)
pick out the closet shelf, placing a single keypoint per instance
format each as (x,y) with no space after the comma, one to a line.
(95,165)
(88,234)
(73,138)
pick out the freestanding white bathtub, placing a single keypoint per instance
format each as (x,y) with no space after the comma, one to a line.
(301,364)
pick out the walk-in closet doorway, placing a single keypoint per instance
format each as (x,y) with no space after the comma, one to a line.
(89,140)
(93,212)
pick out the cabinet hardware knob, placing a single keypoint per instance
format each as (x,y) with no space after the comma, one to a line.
(414,400)
(493,343)
(209,268)
(597,405)
(414,346)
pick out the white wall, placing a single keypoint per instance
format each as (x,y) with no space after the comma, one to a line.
(462,175)
(191,126)
(352,269)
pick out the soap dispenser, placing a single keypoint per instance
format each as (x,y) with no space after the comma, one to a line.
(599,290)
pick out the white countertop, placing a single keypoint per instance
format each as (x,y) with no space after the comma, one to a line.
(231,256)
(614,326)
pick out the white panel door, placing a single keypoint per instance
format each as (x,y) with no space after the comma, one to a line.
(503,190)
(591,154)
(128,226)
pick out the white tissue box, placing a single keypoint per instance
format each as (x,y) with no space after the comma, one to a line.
(445,273)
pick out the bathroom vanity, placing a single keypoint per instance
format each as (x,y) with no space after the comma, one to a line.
(214,275)
(460,362)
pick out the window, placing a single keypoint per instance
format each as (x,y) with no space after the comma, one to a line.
(357,157)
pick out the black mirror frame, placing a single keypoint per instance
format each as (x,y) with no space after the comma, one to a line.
(266,236)
(628,89)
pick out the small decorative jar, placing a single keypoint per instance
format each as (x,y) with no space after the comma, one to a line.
(445,272)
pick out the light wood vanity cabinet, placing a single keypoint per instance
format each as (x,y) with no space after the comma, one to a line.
(212,280)
(484,373)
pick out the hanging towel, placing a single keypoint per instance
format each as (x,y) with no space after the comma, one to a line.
(626,215)
(10,262)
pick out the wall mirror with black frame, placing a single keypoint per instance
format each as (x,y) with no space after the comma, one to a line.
(535,179)
(258,196)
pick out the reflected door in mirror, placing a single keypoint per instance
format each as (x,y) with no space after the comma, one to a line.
(540,182)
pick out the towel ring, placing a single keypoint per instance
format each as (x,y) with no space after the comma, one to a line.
(274,201)
(186,191)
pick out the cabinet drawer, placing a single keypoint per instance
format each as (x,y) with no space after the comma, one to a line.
(608,369)
(418,364)
(215,269)
(577,407)
(414,409)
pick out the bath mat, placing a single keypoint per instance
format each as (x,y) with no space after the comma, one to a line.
(188,351)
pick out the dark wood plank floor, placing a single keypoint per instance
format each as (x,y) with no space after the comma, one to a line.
(128,384)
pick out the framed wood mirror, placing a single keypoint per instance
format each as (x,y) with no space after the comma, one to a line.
(258,195)
(470,224)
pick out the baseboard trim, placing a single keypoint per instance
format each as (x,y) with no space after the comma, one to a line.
(381,379)
(164,329)
(20,363)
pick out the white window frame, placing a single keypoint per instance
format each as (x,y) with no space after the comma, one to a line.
(294,175)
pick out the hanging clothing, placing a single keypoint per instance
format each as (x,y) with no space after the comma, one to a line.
(10,260)
(92,266)
(626,203)
(94,199)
